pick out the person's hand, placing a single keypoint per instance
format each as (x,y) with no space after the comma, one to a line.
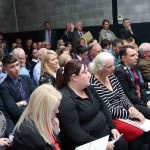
(141,117)
(133,112)
(4,142)
(115,133)
(110,146)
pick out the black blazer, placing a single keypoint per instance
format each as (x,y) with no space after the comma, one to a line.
(10,95)
(28,138)
(129,86)
(54,39)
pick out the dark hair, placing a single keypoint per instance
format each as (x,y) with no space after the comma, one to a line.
(105,20)
(9,59)
(104,43)
(116,41)
(125,19)
(123,50)
(81,49)
(46,22)
(63,74)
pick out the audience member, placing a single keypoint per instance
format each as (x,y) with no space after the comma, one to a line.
(105,44)
(144,62)
(105,32)
(48,35)
(18,41)
(38,126)
(63,59)
(37,68)
(49,66)
(19,52)
(35,59)
(131,80)
(15,89)
(127,32)
(94,50)
(116,46)
(77,34)
(2,74)
(28,48)
(110,91)
(83,116)
(68,35)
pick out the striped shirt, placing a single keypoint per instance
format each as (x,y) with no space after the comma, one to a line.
(116,100)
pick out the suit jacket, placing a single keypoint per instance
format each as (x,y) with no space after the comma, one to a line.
(11,95)
(76,38)
(41,38)
(28,138)
(144,66)
(129,87)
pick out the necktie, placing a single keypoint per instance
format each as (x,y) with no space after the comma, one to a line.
(21,90)
(137,82)
(49,36)
(81,34)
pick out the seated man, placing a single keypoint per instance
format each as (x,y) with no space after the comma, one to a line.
(20,53)
(144,63)
(116,46)
(130,79)
(15,89)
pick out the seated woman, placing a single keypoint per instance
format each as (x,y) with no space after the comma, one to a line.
(38,126)
(110,91)
(83,116)
(49,66)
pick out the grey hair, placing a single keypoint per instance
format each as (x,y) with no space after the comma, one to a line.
(143,48)
(100,61)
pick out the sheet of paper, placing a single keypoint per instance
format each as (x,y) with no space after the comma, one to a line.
(99,144)
(87,36)
(114,141)
(145,126)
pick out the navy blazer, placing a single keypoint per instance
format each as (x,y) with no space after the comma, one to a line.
(41,38)
(11,95)
(129,86)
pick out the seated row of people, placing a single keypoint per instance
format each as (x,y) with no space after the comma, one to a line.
(128,56)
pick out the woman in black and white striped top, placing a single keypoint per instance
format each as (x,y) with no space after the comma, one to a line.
(109,88)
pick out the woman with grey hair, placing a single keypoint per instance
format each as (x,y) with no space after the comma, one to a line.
(110,91)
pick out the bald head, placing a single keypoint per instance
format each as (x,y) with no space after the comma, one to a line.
(144,50)
(96,49)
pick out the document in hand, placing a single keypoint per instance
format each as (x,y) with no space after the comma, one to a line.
(145,126)
(99,144)
(87,36)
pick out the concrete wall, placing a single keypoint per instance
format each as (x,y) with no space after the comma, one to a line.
(7,17)
(32,14)
(136,10)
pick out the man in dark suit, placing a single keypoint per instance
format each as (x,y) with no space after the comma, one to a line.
(77,34)
(131,80)
(15,89)
(68,35)
(127,32)
(48,35)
